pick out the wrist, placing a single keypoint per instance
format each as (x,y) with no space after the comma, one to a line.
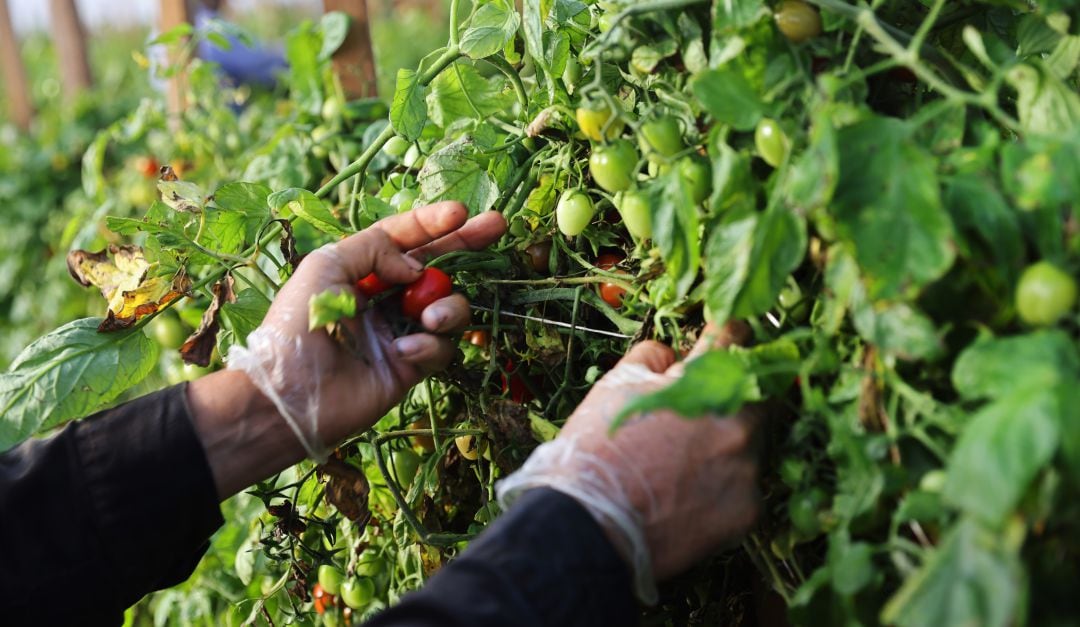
(245,438)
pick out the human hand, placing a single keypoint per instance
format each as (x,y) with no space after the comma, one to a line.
(666,489)
(327,392)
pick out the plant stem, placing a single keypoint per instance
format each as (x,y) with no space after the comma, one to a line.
(503,66)
(360,165)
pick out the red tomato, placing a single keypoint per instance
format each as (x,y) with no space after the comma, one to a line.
(430,287)
(514,383)
(612,293)
(372,285)
(323,601)
(477,338)
(148,166)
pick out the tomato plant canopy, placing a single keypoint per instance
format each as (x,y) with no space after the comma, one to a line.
(887,195)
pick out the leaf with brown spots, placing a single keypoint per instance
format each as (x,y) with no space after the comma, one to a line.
(199,346)
(347,490)
(120,272)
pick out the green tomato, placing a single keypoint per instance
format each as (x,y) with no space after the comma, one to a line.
(697,174)
(405,463)
(396,147)
(369,564)
(613,165)
(771,142)
(331,109)
(660,138)
(358,592)
(636,213)
(403,199)
(593,120)
(1044,294)
(933,481)
(797,20)
(572,74)
(574,212)
(330,578)
(803,509)
(414,160)
(167,330)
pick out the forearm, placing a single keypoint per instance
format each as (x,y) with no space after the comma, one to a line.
(546,562)
(244,437)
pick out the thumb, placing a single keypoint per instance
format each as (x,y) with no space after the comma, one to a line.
(653,355)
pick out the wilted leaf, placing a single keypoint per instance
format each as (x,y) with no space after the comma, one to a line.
(347,490)
(122,281)
(199,346)
(180,195)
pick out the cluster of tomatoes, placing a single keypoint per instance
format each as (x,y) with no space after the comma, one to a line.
(335,591)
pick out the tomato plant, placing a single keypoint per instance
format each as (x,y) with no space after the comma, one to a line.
(877,189)
(433,284)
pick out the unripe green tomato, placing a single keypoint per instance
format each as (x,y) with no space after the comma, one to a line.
(661,137)
(358,592)
(396,147)
(771,142)
(167,330)
(330,578)
(933,481)
(330,618)
(636,213)
(803,509)
(321,133)
(414,160)
(403,199)
(593,120)
(697,173)
(405,463)
(606,21)
(331,109)
(613,165)
(572,74)
(370,564)
(190,372)
(1044,294)
(574,212)
(797,20)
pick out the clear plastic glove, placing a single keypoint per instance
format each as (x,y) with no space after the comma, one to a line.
(326,392)
(667,490)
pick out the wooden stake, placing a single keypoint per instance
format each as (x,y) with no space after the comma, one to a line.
(354,61)
(70,41)
(173,14)
(15,85)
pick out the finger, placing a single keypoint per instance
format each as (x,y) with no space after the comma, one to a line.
(653,355)
(731,333)
(372,250)
(479,232)
(429,353)
(447,315)
(425,224)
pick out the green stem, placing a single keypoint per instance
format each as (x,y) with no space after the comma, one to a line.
(504,66)
(454,23)
(360,165)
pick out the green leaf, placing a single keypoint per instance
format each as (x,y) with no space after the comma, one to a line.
(454,173)
(335,28)
(493,25)
(182,195)
(996,368)
(896,328)
(245,314)
(329,306)
(748,260)
(70,373)
(302,47)
(732,15)
(307,206)
(888,208)
(971,578)
(408,112)
(1046,105)
(716,383)
(977,207)
(675,230)
(728,97)
(1001,450)
(534,14)
(462,92)
(851,564)
(812,175)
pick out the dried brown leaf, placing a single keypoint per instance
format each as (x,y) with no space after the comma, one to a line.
(199,346)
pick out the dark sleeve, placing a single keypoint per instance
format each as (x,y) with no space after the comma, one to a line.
(545,562)
(107,510)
